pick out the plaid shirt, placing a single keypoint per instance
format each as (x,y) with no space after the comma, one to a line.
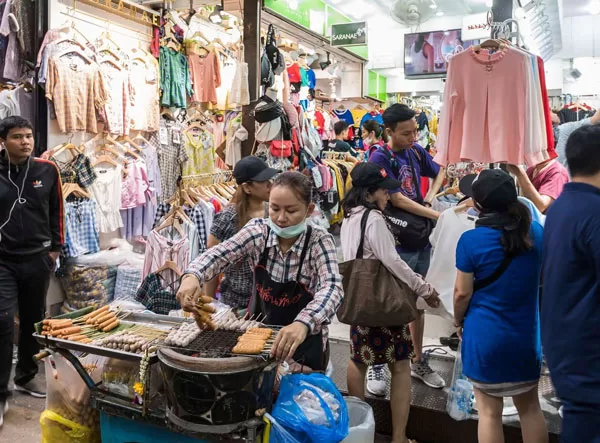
(171,155)
(320,273)
(78,91)
(82,228)
(79,170)
(128,281)
(152,295)
(196,216)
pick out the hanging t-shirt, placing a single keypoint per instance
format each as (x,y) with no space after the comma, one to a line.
(501,341)
(206,77)
(345,115)
(294,73)
(311,79)
(442,270)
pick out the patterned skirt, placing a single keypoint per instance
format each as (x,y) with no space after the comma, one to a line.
(376,346)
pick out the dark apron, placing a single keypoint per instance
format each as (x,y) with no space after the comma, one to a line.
(282,302)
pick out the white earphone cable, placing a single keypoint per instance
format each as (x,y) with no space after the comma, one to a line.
(20,200)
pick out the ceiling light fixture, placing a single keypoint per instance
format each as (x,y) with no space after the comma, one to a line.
(433,5)
(489,3)
(324,65)
(594,7)
(439,13)
(217,15)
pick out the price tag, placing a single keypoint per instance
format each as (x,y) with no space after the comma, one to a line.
(330,197)
(163,136)
(176,136)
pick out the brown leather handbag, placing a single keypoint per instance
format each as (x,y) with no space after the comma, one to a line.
(373,296)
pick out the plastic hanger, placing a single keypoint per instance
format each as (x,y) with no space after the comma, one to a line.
(169,266)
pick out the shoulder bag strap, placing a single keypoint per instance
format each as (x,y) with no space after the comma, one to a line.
(416,184)
(390,158)
(363,228)
(484,282)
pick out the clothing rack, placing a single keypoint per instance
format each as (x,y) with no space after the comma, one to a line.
(71,11)
(329,155)
(211,178)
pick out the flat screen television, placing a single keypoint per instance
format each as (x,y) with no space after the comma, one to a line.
(426,53)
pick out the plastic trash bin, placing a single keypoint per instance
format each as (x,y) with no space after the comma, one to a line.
(362,421)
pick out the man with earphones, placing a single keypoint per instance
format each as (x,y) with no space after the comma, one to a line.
(31,236)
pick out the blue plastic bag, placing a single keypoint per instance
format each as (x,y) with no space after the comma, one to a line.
(277,433)
(311,408)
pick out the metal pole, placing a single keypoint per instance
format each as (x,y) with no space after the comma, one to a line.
(502,9)
(251,17)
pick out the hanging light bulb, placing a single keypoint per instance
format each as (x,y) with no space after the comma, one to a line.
(489,3)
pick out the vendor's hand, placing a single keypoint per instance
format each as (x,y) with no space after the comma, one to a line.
(288,340)
(189,292)
(54,255)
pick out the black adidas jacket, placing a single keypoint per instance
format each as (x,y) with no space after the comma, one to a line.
(37,226)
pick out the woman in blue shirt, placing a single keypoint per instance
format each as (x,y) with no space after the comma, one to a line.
(496,306)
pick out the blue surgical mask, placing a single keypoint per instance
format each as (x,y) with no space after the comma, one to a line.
(288,231)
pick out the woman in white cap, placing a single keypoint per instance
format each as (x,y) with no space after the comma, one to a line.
(253,177)
(496,306)
(368,345)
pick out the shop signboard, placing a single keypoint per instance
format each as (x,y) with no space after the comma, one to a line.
(349,34)
(476,27)
(128,9)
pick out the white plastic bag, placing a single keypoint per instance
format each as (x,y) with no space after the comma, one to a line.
(362,421)
(460,395)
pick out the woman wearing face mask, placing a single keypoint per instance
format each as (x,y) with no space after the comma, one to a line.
(379,346)
(253,177)
(372,135)
(296,275)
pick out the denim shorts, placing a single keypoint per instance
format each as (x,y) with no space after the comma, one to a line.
(418,261)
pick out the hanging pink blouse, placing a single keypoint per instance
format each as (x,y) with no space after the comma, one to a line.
(484,114)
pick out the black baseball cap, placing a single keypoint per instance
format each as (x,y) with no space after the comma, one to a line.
(493,188)
(365,175)
(253,169)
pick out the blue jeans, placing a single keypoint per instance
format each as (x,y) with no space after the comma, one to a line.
(418,261)
(580,426)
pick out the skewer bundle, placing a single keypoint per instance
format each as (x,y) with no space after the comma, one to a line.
(228,321)
(203,313)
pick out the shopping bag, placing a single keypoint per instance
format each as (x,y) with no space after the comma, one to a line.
(277,433)
(460,396)
(311,408)
(56,428)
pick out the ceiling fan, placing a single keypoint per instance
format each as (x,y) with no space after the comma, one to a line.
(412,13)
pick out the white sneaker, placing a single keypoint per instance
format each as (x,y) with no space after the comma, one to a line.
(3,410)
(378,379)
(423,372)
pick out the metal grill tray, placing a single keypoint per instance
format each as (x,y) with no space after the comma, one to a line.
(153,320)
(219,344)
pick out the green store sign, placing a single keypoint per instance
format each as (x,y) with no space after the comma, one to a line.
(314,15)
